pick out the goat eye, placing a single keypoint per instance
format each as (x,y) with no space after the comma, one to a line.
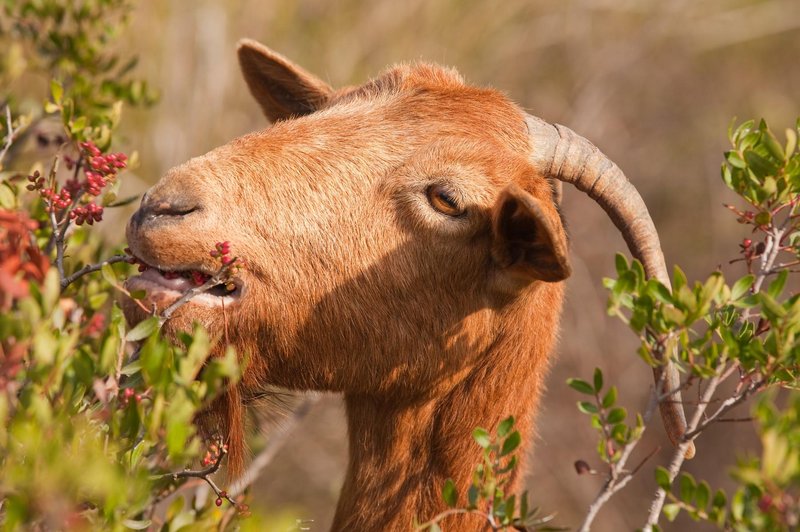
(443,201)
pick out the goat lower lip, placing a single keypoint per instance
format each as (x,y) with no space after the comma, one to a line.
(153,282)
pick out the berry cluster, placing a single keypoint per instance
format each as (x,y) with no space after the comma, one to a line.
(222,252)
(102,168)
(129,394)
(99,170)
(89,213)
(213,453)
(95,326)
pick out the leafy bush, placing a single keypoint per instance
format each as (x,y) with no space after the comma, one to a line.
(96,420)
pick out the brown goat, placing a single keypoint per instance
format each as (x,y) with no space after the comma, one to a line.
(403,246)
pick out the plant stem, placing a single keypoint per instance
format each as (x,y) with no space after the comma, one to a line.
(66,281)
(679,455)
(617,479)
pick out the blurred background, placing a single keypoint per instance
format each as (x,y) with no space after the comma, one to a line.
(654,84)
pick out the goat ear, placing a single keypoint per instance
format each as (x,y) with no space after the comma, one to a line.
(529,243)
(280,87)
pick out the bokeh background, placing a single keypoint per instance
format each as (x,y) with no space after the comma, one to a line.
(653,83)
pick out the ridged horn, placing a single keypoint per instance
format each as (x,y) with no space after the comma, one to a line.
(559,153)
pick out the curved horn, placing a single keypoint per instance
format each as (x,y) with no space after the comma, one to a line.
(559,153)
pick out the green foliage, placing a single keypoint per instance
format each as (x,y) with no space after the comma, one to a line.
(606,417)
(486,495)
(96,418)
(713,331)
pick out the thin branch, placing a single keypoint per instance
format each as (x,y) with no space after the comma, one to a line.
(616,481)
(205,474)
(9,137)
(679,454)
(65,282)
(218,278)
(726,405)
(276,441)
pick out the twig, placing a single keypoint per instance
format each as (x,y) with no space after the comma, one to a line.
(277,440)
(65,282)
(734,419)
(217,278)
(726,405)
(205,474)
(679,454)
(10,137)
(617,478)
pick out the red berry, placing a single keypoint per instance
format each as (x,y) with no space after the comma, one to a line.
(218,502)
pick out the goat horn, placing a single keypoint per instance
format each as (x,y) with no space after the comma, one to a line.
(558,152)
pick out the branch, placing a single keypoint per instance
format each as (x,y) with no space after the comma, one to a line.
(10,137)
(275,443)
(65,282)
(617,478)
(726,405)
(205,474)
(218,278)
(679,454)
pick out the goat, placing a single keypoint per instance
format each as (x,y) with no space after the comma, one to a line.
(403,247)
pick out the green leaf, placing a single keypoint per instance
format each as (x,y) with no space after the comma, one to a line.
(472,497)
(662,478)
(687,487)
(57,91)
(742,286)
(108,274)
(143,329)
(138,294)
(481,437)
(505,427)
(610,397)
(735,160)
(51,289)
(617,415)
(586,407)
(580,386)
(737,505)
(702,495)
(7,198)
(598,380)
(760,166)
(791,142)
(772,309)
(137,525)
(511,443)
(621,263)
(720,499)
(776,287)
(434,528)
(671,511)
(449,493)
(678,279)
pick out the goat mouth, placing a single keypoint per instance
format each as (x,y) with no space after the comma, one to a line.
(174,284)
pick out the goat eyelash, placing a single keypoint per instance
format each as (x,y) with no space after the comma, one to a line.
(442,199)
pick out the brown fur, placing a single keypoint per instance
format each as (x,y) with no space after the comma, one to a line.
(429,325)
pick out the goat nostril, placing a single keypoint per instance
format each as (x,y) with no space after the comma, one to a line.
(150,211)
(172,209)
